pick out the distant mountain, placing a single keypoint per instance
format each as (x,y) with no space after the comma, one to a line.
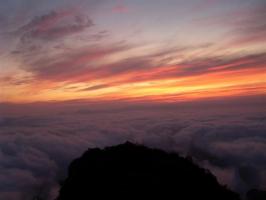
(132,172)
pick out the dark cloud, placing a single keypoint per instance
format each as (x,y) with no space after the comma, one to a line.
(199,66)
(95,87)
(214,64)
(54,25)
(135,64)
(193,67)
(11,80)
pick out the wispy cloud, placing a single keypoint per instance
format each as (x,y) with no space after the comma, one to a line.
(54,25)
(244,25)
(73,65)
(65,46)
(251,27)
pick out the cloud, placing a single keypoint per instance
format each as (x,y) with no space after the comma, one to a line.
(229,139)
(71,65)
(243,26)
(84,64)
(54,25)
(13,80)
(251,28)
(79,65)
(195,67)
(214,64)
(95,87)
(120,9)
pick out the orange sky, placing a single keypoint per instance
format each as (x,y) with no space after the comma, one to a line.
(63,53)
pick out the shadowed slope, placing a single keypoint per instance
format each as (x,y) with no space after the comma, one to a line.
(256,195)
(131,171)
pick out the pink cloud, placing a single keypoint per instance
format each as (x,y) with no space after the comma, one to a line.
(120,8)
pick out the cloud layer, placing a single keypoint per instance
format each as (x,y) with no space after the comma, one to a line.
(37,147)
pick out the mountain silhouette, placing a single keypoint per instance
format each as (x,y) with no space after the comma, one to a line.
(129,171)
(255,194)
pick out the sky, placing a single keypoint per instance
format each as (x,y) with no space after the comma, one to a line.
(187,76)
(98,50)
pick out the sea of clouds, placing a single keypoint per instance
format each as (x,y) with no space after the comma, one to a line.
(37,142)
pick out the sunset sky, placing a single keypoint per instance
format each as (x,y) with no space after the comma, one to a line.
(186,76)
(161,50)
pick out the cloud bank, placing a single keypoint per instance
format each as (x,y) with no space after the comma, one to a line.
(36,148)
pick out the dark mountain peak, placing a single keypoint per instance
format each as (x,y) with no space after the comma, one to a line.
(128,143)
(130,171)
